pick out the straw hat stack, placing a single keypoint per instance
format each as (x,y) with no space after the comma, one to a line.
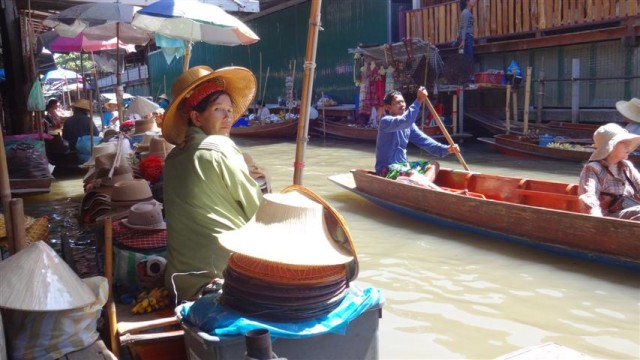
(114,201)
(144,230)
(286,265)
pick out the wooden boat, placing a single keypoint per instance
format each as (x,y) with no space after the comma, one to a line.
(349,130)
(496,125)
(508,208)
(528,146)
(281,129)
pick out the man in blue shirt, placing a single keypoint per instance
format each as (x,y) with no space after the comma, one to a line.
(397,128)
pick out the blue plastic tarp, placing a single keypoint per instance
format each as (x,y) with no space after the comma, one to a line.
(209,316)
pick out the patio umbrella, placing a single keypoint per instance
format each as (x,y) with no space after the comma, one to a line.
(100,21)
(61,74)
(193,21)
(81,43)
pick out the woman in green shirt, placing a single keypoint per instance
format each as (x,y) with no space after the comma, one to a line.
(207,185)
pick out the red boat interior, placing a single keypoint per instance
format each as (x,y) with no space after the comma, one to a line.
(540,193)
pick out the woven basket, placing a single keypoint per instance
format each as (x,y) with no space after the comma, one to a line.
(39,230)
(28,221)
(285,274)
(36,229)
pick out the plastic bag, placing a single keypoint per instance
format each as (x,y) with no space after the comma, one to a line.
(36,102)
(27,160)
(52,334)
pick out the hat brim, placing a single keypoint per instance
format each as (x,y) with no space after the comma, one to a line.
(240,84)
(604,151)
(628,110)
(160,226)
(336,225)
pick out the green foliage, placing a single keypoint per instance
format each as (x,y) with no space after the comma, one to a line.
(71,61)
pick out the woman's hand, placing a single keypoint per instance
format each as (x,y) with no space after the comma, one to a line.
(454,149)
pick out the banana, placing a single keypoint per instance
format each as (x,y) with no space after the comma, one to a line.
(154,299)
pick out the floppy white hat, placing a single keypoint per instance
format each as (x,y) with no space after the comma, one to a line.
(37,279)
(145,216)
(288,228)
(630,109)
(606,138)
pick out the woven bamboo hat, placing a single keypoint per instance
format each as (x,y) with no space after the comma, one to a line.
(288,228)
(606,138)
(83,104)
(37,279)
(630,109)
(238,82)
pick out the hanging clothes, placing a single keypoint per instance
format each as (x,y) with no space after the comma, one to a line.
(375,87)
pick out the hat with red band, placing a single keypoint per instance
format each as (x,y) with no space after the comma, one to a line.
(194,85)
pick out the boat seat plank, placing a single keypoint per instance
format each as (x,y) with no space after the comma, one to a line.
(547,194)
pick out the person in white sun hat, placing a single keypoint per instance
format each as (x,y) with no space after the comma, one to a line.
(630,110)
(609,183)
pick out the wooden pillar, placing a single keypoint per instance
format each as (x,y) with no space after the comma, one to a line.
(507,109)
(17,224)
(5,193)
(575,90)
(527,100)
(16,99)
(454,113)
(540,93)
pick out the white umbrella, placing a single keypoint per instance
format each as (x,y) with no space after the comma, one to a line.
(100,21)
(194,21)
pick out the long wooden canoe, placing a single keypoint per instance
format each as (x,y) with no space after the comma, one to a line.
(539,213)
(354,132)
(528,146)
(281,129)
(496,125)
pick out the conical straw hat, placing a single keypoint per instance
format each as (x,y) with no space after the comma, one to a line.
(37,279)
(288,228)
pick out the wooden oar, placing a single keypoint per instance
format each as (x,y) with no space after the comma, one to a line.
(445,132)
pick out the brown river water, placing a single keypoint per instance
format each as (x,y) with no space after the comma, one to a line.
(452,294)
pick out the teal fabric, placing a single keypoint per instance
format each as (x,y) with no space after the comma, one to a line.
(207,190)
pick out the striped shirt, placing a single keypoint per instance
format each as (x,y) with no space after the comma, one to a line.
(595,180)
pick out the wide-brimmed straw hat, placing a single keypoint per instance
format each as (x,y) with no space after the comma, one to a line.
(606,138)
(238,82)
(38,279)
(111,104)
(288,228)
(630,109)
(163,96)
(145,216)
(336,224)
(82,104)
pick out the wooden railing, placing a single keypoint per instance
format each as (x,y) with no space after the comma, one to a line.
(500,18)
